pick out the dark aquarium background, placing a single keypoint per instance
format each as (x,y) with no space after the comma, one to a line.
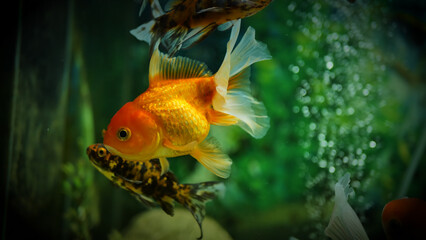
(345,91)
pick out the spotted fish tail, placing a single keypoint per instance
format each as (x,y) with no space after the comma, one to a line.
(194,197)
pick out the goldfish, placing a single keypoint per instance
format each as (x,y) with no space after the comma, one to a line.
(189,21)
(173,116)
(145,182)
(405,219)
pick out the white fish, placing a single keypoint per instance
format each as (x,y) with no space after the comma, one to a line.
(344,223)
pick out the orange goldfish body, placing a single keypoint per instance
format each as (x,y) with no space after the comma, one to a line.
(405,219)
(173,116)
(189,21)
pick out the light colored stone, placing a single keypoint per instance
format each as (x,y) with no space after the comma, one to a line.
(157,225)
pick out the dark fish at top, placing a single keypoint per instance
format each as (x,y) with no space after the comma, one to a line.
(190,21)
(144,181)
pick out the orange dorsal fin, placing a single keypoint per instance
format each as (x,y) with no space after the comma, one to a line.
(162,67)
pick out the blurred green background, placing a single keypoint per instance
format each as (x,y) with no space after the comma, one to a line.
(345,91)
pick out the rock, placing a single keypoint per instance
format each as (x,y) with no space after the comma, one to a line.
(157,225)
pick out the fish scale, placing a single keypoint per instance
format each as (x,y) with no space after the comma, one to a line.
(181,107)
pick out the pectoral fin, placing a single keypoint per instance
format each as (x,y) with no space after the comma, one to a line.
(209,155)
(144,200)
(198,34)
(164,165)
(226,26)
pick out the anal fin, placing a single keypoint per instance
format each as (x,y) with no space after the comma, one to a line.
(166,203)
(210,156)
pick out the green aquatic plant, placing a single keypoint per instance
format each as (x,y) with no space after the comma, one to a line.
(81,202)
(82,213)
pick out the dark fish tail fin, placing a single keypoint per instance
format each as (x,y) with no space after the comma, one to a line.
(194,197)
(174,38)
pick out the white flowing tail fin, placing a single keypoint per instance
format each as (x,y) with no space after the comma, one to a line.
(344,223)
(233,85)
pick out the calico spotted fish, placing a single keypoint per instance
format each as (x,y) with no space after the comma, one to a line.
(190,21)
(149,186)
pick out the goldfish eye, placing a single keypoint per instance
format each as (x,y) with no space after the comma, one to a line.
(102,152)
(123,134)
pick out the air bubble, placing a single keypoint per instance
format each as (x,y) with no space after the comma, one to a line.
(295,69)
(365,92)
(291,6)
(321,137)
